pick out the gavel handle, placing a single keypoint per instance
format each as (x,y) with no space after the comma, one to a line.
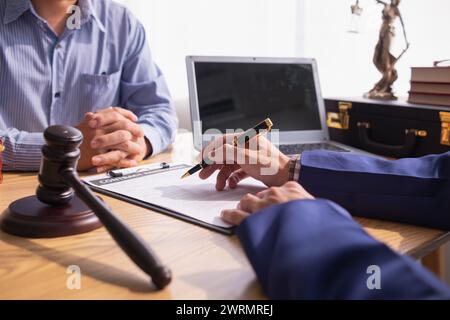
(130,242)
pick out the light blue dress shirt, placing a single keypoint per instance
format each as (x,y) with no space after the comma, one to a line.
(46,80)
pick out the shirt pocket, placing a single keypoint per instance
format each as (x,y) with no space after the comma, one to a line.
(100,90)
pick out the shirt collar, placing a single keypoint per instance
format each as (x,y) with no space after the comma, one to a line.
(16,8)
(88,10)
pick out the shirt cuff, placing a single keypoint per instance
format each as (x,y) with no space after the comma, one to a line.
(294,168)
(154,137)
(23,151)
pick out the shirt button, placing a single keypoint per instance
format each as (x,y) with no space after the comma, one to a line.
(58,94)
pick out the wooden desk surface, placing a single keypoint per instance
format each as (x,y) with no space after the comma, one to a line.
(205,264)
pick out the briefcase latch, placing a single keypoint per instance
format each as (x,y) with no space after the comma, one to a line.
(340,120)
(445,128)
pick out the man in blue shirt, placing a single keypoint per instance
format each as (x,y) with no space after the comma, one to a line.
(303,247)
(96,73)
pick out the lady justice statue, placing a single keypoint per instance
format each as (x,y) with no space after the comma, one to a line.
(383,59)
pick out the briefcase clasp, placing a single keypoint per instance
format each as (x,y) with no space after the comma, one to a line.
(445,128)
(340,120)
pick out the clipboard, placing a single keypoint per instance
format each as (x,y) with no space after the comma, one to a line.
(102,184)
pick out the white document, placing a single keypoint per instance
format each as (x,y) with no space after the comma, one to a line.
(191,196)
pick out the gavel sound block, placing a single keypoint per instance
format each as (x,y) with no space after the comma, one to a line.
(63,206)
(55,210)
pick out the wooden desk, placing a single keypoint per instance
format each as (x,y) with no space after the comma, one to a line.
(205,264)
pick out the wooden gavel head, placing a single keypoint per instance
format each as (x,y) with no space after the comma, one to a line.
(60,152)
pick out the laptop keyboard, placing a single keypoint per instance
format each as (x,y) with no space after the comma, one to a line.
(290,149)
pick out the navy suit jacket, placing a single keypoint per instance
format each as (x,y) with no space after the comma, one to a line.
(312,249)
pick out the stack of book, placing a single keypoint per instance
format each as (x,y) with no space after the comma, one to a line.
(430,85)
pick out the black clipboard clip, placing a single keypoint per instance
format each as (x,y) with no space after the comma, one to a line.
(165,165)
(114,174)
(118,174)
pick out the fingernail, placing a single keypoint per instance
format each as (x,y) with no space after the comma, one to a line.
(95,143)
(96,161)
(93,123)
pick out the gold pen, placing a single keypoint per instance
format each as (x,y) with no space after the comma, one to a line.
(263,126)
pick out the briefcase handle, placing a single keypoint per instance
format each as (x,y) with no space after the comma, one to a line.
(396,151)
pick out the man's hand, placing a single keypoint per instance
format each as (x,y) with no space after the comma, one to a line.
(112,138)
(124,155)
(260,160)
(253,203)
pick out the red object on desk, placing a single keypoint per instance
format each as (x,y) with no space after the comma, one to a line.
(1,161)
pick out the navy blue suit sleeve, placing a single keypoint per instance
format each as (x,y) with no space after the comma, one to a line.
(312,249)
(414,191)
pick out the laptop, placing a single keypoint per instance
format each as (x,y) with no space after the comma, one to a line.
(239,92)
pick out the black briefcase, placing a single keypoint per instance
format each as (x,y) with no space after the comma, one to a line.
(394,129)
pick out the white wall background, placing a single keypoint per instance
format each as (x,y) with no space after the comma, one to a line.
(177,28)
(311,28)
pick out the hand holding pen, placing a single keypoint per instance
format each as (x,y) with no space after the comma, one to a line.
(263,162)
(238,140)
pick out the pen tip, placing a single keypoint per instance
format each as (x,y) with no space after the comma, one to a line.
(185,175)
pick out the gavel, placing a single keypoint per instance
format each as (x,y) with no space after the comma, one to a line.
(60,191)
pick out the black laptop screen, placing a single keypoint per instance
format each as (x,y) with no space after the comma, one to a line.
(239,95)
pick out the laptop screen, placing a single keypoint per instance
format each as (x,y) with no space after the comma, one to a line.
(238,95)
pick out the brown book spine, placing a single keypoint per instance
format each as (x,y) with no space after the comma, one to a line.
(429,99)
(430,88)
(430,74)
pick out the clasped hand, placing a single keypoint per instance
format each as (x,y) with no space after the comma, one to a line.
(112,138)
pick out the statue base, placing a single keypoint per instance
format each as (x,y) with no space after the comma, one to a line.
(377,95)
